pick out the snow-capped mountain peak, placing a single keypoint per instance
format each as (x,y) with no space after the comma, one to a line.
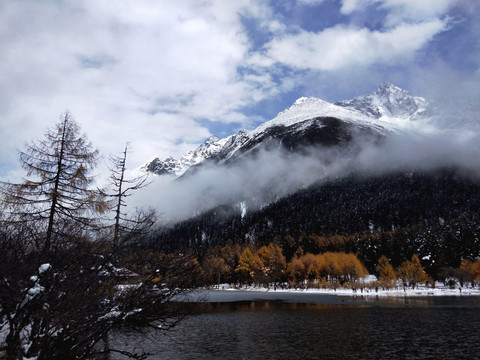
(304,100)
(306,108)
(209,144)
(171,166)
(388,108)
(388,101)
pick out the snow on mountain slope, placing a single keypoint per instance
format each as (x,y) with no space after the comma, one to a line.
(388,100)
(171,166)
(387,109)
(208,149)
(389,103)
(307,108)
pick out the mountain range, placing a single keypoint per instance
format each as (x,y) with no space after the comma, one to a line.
(310,122)
(374,175)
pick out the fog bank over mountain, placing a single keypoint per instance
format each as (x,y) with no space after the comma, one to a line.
(271,174)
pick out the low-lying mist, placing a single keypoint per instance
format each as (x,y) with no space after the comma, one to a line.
(270,175)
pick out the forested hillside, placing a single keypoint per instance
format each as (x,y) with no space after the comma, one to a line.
(435,215)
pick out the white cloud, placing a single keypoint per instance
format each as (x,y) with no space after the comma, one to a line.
(400,11)
(140,71)
(415,11)
(147,71)
(349,6)
(344,46)
(273,174)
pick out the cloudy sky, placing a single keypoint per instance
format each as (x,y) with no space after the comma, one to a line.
(164,75)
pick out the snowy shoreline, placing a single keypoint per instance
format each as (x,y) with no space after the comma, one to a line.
(367,292)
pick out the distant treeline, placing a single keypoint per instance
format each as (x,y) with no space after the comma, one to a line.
(434,215)
(267,266)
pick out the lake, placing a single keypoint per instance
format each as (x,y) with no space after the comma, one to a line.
(260,325)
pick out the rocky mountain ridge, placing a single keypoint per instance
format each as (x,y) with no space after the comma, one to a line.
(363,176)
(388,101)
(309,121)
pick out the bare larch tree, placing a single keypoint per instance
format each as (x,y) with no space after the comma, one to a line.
(57,190)
(60,294)
(122,187)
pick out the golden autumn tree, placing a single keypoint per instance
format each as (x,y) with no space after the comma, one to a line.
(331,265)
(412,272)
(273,262)
(476,271)
(464,272)
(310,263)
(214,267)
(230,252)
(305,267)
(296,270)
(249,266)
(386,273)
(351,268)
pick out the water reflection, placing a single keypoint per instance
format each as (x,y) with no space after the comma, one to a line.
(330,299)
(260,305)
(337,328)
(417,301)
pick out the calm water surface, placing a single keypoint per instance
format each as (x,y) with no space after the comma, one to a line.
(312,326)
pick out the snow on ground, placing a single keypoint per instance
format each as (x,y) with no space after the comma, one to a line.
(44,267)
(398,291)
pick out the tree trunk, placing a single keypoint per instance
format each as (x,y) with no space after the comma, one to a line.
(106,346)
(116,233)
(53,207)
